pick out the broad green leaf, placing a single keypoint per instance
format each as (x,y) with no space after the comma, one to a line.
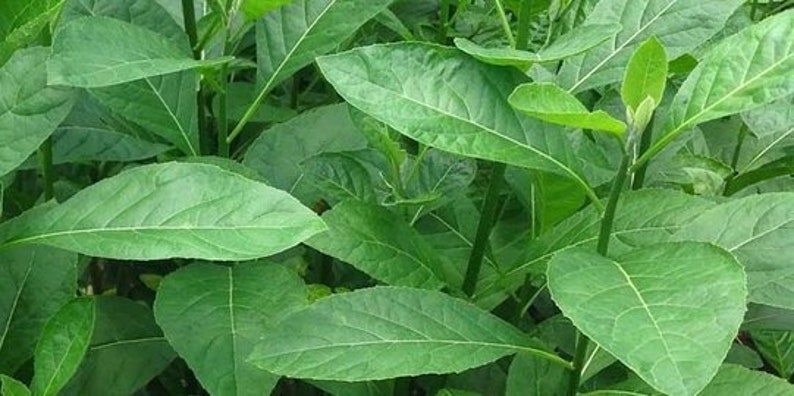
(255,9)
(292,36)
(744,355)
(62,346)
(567,45)
(758,231)
(150,14)
(214,315)
(99,51)
(447,100)
(772,128)
(643,217)
(79,144)
(11,387)
(35,282)
(551,103)
(737,380)
(339,176)
(437,178)
(29,109)
(646,75)
(380,244)
(763,58)
(278,152)
(21,22)
(532,376)
(386,332)
(364,388)
(672,324)
(172,210)
(642,19)
(777,348)
(127,350)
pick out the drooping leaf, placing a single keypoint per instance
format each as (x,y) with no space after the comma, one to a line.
(387,332)
(646,75)
(126,351)
(11,387)
(278,152)
(214,315)
(449,101)
(737,380)
(757,230)
(62,346)
(292,36)
(760,54)
(532,376)
(567,45)
(172,210)
(379,243)
(99,51)
(34,283)
(551,103)
(777,348)
(340,177)
(667,311)
(642,19)
(29,109)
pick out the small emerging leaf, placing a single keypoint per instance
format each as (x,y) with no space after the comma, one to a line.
(646,75)
(551,103)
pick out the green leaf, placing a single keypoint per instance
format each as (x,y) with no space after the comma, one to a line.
(172,210)
(436,179)
(380,244)
(339,176)
(532,376)
(680,25)
(278,152)
(12,387)
(772,128)
(386,332)
(777,348)
(214,315)
(461,109)
(35,282)
(757,230)
(672,324)
(255,9)
(646,75)
(551,103)
(127,350)
(21,22)
(364,388)
(292,36)
(79,144)
(572,43)
(759,54)
(99,51)
(62,346)
(737,380)
(29,109)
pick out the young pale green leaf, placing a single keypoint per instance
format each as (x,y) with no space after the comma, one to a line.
(646,75)
(339,177)
(29,109)
(744,71)
(34,282)
(387,332)
(255,9)
(680,25)
(127,350)
(22,21)
(667,311)
(447,100)
(100,51)
(758,231)
(572,43)
(213,316)
(11,387)
(551,103)
(777,348)
(172,210)
(736,380)
(380,244)
(290,37)
(62,346)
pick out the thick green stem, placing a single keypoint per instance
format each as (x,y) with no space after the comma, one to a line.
(603,248)
(645,142)
(524,25)
(487,220)
(505,23)
(222,119)
(47,173)
(189,17)
(443,22)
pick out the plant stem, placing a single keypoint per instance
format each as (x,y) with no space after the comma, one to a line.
(505,23)
(524,25)
(487,219)
(604,234)
(47,173)
(222,119)
(443,22)
(189,17)
(645,142)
